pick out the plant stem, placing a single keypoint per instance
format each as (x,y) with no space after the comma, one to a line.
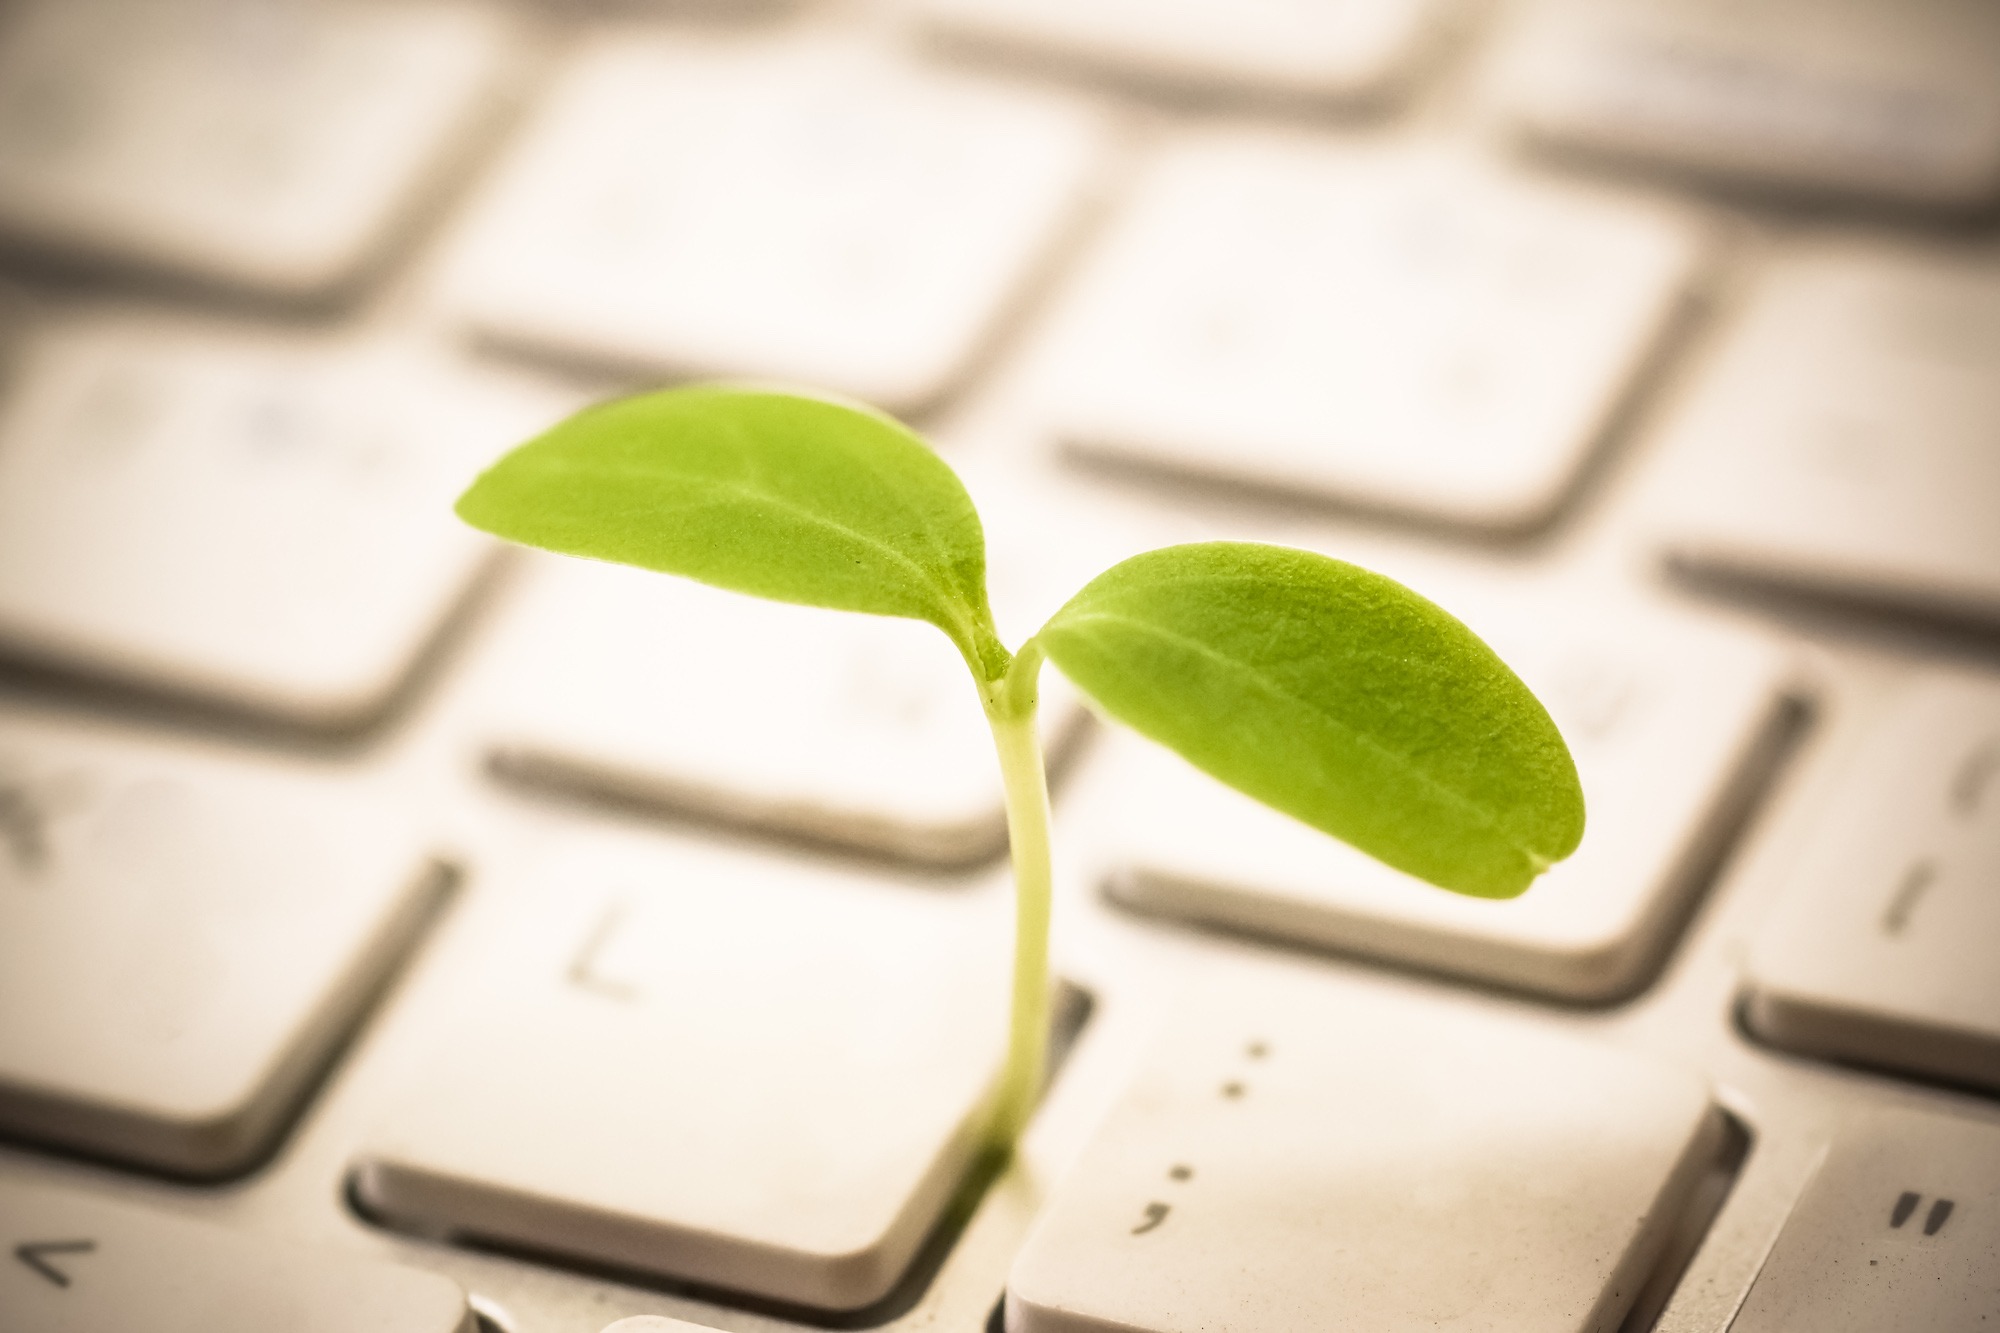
(1010,708)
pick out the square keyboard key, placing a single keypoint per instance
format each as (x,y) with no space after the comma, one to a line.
(1672,721)
(1842,444)
(1290,1157)
(799,211)
(261,524)
(1338,51)
(274,147)
(1418,333)
(1889,101)
(1881,948)
(737,1071)
(184,940)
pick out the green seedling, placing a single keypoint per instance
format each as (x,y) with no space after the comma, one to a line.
(1331,693)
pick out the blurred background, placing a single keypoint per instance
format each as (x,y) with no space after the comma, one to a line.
(369,889)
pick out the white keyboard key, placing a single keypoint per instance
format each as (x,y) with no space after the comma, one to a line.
(733,1070)
(73,1264)
(183,942)
(1896,101)
(1287,1159)
(1335,52)
(230,516)
(1899,1229)
(272,146)
(1672,722)
(1882,948)
(1413,331)
(1842,444)
(866,731)
(800,211)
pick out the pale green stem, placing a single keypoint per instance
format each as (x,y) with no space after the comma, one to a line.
(1010,708)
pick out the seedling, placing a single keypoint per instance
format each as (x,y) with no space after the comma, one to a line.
(1328,692)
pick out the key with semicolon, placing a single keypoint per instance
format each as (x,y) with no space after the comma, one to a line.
(1886,102)
(261,525)
(1672,720)
(1291,1156)
(272,148)
(1339,53)
(1842,445)
(184,940)
(1899,1228)
(1424,333)
(793,210)
(721,1067)
(1879,949)
(72,1263)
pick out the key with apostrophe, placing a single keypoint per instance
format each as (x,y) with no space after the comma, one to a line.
(273,147)
(185,939)
(732,1069)
(1881,948)
(1899,1229)
(796,210)
(1673,722)
(1294,1156)
(1420,331)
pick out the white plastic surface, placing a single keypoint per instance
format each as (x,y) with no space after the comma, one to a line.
(1846,97)
(1842,443)
(268,146)
(1898,1230)
(1666,716)
(1285,1162)
(812,213)
(70,1263)
(1882,948)
(182,941)
(722,1067)
(1420,332)
(1339,51)
(259,522)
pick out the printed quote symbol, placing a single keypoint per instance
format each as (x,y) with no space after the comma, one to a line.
(1906,1204)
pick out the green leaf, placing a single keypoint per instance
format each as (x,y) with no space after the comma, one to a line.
(1336,695)
(782,496)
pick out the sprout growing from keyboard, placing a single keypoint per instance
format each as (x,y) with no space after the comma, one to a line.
(1328,692)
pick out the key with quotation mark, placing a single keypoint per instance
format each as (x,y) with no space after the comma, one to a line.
(1896,1231)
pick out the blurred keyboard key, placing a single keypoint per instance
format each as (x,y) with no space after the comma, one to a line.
(261,524)
(264,145)
(1897,1230)
(1672,721)
(1413,332)
(798,210)
(1286,1159)
(75,1264)
(183,942)
(1881,949)
(1842,443)
(738,1071)
(865,731)
(1343,51)
(1892,101)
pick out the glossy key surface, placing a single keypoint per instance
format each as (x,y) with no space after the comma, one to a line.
(184,940)
(1424,333)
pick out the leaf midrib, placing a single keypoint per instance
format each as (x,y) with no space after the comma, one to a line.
(1481,814)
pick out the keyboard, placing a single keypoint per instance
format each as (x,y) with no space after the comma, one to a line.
(402,932)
